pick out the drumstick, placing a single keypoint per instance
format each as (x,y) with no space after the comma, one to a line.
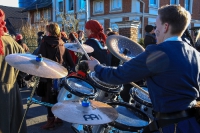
(133,84)
(81,47)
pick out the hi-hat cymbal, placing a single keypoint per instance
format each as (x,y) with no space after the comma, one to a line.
(73,112)
(27,63)
(123,48)
(76,48)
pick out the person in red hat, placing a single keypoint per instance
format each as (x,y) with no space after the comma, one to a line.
(97,40)
(10,99)
(19,40)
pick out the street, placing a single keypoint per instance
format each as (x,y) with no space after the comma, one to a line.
(37,116)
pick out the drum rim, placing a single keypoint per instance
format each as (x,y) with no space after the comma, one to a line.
(77,93)
(102,87)
(138,99)
(122,127)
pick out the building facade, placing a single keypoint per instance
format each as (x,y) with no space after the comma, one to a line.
(126,14)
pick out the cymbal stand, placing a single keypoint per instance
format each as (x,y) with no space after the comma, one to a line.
(85,53)
(29,103)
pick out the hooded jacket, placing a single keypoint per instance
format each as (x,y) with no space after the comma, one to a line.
(53,48)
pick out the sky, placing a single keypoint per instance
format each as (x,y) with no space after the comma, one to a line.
(13,3)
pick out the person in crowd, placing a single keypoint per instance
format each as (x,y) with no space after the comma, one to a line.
(72,40)
(171,69)
(197,42)
(80,36)
(149,36)
(114,60)
(97,40)
(187,38)
(11,104)
(64,37)
(40,35)
(19,40)
(108,30)
(52,47)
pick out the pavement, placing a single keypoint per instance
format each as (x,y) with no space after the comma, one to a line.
(37,116)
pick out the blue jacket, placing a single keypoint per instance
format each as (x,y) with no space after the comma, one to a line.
(171,69)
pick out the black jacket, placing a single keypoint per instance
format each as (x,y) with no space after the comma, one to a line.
(149,39)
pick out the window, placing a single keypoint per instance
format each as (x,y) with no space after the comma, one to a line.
(70,5)
(82,4)
(98,7)
(173,2)
(187,5)
(153,2)
(116,5)
(47,14)
(114,27)
(37,16)
(60,6)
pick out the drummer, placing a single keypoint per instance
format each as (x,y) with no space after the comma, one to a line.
(97,40)
(172,72)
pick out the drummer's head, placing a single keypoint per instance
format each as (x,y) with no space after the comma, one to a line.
(172,20)
(53,29)
(93,29)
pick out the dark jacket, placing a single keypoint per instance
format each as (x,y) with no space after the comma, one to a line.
(102,55)
(149,39)
(52,48)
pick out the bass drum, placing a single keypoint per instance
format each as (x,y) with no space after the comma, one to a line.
(75,88)
(106,92)
(141,101)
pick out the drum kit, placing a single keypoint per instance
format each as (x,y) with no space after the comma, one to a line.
(91,105)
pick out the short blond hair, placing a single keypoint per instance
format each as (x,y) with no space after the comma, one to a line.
(176,16)
(54,29)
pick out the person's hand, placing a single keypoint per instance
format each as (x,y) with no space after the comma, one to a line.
(92,63)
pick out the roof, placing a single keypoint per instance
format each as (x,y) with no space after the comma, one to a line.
(38,4)
(14,17)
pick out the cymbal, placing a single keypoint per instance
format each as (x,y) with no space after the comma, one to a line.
(123,48)
(73,112)
(27,63)
(76,48)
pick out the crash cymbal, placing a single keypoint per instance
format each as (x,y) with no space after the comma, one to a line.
(27,63)
(123,48)
(76,48)
(73,112)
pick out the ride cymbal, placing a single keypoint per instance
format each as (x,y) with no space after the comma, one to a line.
(76,48)
(123,48)
(73,112)
(27,63)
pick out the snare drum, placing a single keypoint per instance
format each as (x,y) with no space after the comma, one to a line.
(105,91)
(129,119)
(75,88)
(141,101)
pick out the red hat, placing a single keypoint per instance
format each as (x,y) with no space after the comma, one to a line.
(18,37)
(97,30)
(3,29)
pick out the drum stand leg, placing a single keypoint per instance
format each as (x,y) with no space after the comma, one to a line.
(29,102)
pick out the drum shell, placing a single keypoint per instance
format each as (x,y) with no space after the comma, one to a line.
(68,93)
(143,105)
(64,94)
(105,91)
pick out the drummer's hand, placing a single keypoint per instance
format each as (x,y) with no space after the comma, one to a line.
(92,63)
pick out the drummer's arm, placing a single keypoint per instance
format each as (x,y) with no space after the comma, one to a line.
(131,71)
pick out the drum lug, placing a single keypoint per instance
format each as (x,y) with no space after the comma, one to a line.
(69,95)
